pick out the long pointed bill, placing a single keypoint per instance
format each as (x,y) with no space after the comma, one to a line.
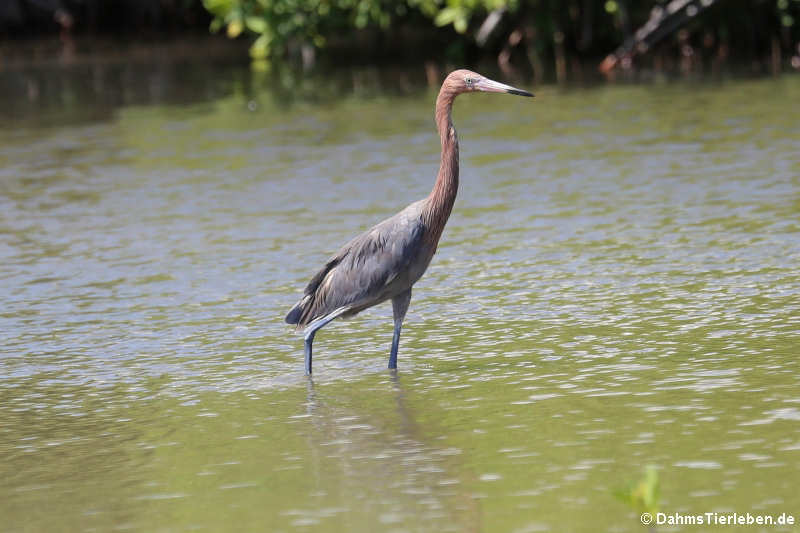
(491,86)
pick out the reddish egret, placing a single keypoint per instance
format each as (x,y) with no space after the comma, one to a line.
(385,262)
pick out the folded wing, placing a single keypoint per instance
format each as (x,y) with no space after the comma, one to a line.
(367,270)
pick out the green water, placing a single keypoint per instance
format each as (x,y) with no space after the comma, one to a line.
(617,287)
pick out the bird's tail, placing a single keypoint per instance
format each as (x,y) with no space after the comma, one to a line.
(296,314)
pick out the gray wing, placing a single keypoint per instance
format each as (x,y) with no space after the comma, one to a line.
(367,270)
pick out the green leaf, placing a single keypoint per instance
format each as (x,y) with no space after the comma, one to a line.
(460,24)
(260,47)
(235,28)
(218,7)
(216,25)
(446,16)
(642,495)
(457,15)
(256,24)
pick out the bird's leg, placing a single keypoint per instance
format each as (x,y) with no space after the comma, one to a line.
(399,308)
(311,330)
(398,325)
(309,339)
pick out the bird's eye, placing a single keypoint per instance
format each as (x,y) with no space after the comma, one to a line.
(469,81)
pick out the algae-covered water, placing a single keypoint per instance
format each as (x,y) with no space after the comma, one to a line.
(618,287)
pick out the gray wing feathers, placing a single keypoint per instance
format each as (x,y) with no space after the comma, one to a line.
(360,274)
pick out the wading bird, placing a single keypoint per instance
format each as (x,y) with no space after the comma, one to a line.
(384,262)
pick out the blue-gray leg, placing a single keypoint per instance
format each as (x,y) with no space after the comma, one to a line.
(311,330)
(399,308)
(309,339)
(395,344)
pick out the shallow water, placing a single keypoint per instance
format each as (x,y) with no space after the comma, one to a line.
(617,287)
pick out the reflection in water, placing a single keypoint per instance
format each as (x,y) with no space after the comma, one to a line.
(45,91)
(385,465)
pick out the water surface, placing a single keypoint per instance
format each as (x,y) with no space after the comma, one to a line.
(617,287)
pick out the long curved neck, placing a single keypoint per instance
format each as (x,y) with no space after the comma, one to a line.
(440,201)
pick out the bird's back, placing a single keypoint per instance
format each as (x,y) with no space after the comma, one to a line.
(373,267)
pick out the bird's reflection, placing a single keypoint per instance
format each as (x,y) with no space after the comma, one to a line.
(367,451)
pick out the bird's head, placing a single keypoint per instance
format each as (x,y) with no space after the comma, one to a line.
(464,81)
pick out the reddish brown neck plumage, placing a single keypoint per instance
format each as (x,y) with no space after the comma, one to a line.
(441,199)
